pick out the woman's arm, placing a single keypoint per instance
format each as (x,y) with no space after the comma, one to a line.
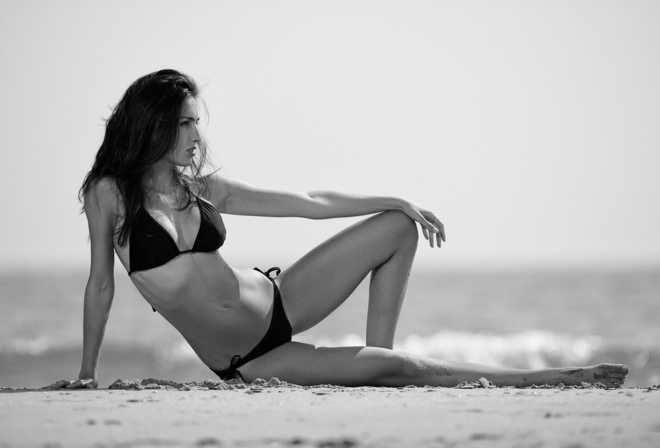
(101,211)
(239,198)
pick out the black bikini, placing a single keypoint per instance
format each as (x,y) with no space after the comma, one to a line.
(152,246)
(279,332)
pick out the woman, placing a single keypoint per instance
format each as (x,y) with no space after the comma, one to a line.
(146,200)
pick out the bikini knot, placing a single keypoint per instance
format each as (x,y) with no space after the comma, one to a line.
(235,361)
(267,273)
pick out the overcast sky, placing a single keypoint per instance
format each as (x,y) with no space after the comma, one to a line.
(531,128)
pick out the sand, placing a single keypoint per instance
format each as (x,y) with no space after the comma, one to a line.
(275,414)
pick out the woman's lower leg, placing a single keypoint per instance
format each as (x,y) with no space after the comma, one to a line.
(388,284)
(383,245)
(420,371)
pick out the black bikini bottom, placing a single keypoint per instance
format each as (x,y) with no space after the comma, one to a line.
(279,332)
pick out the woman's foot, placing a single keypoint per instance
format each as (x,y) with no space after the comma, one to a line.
(611,375)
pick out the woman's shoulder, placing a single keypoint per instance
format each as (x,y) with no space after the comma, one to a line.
(104,195)
(213,179)
(215,188)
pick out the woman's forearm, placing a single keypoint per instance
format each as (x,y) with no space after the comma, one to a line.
(98,301)
(331,204)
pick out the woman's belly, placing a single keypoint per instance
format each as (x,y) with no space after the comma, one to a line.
(220,311)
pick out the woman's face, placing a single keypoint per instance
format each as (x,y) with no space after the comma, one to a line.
(186,145)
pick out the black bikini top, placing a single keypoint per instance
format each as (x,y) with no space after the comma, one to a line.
(152,246)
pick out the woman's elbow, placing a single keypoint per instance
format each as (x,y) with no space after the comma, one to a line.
(97,287)
(316,206)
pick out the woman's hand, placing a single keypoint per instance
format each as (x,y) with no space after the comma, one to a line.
(81,383)
(432,228)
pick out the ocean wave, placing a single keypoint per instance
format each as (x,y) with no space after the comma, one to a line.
(33,347)
(529,350)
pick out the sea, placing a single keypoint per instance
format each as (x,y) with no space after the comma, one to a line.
(521,318)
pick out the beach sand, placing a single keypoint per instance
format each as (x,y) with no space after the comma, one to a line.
(274,414)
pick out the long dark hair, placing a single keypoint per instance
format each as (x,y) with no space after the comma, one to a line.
(141,130)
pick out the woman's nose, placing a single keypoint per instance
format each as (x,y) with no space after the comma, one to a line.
(196,136)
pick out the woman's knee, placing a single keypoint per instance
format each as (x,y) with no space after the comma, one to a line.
(399,369)
(400,226)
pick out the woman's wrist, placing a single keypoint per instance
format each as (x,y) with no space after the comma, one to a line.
(398,204)
(87,373)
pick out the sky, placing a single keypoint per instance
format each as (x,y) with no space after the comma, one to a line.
(531,128)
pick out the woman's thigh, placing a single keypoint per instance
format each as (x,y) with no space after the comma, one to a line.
(306,364)
(320,281)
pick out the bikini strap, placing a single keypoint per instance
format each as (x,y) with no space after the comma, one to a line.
(267,273)
(235,362)
(230,372)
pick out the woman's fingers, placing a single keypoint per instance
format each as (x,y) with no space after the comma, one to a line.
(425,232)
(61,384)
(87,383)
(441,229)
(435,229)
(428,230)
(76,384)
(440,234)
(432,228)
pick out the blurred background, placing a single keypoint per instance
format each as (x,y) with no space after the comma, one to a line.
(530,128)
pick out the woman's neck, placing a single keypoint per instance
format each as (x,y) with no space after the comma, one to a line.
(162,188)
(161,179)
